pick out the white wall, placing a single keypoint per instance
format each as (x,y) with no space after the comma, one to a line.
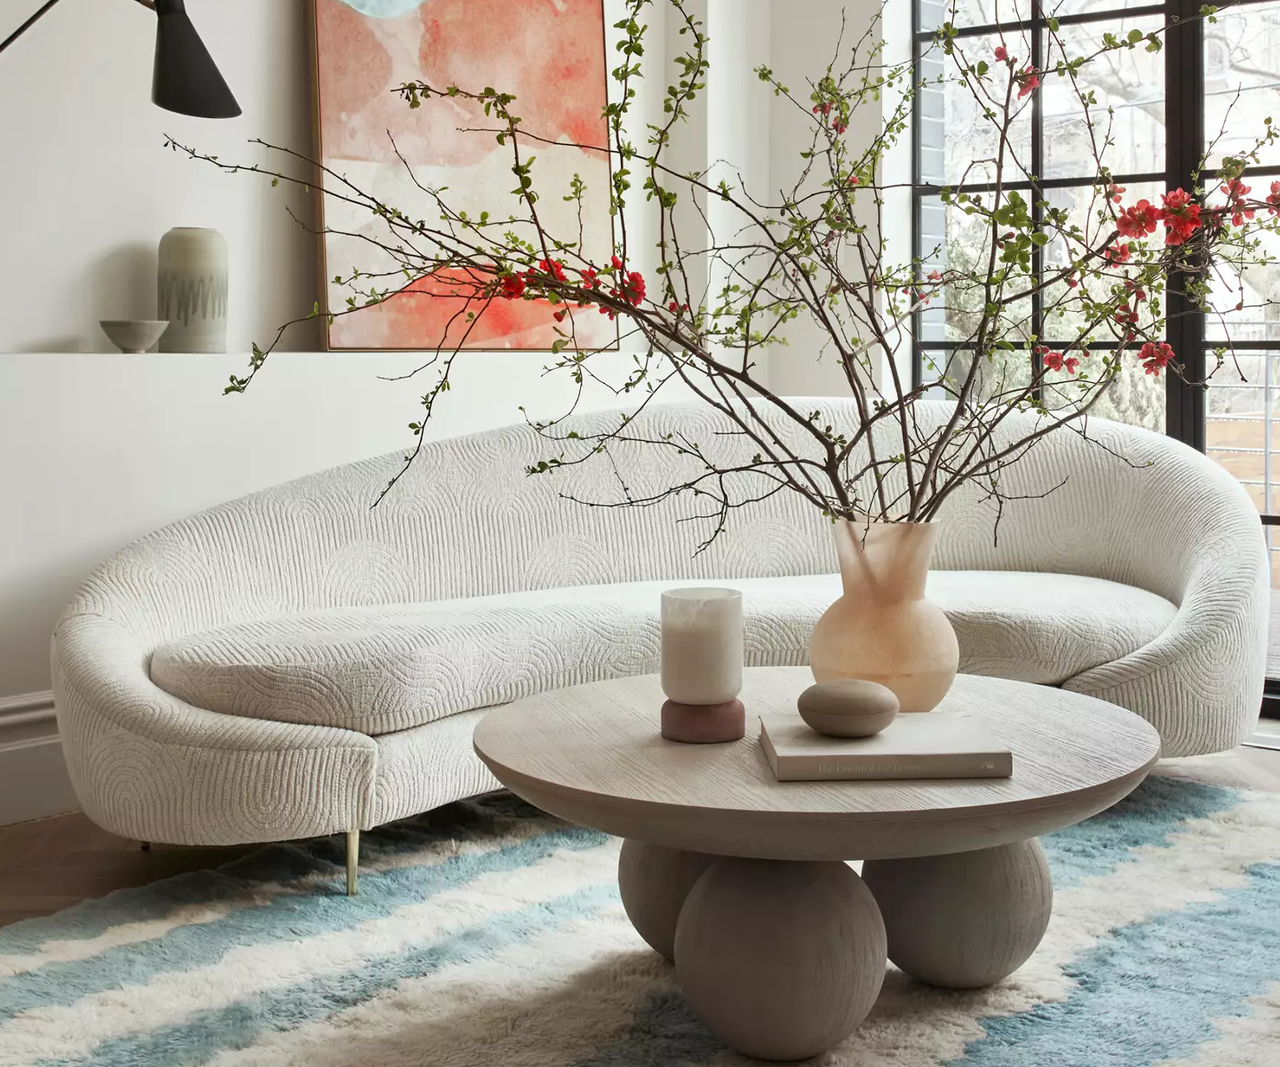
(803,42)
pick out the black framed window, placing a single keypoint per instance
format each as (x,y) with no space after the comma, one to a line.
(1167,109)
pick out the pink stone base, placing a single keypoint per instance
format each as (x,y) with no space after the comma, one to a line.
(703,724)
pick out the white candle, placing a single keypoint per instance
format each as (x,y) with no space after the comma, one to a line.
(701,645)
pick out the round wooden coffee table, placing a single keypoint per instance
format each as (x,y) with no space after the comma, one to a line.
(779,946)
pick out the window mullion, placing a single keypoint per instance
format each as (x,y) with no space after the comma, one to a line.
(1037,194)
(917,198)
(1184,139)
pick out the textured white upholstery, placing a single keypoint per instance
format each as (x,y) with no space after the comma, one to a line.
(195,761)
(387,668)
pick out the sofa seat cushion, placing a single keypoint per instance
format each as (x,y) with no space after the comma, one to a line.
(380,669)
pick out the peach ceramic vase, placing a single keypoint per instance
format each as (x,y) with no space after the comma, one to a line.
(883,629)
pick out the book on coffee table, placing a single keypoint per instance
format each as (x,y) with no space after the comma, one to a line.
(927,745)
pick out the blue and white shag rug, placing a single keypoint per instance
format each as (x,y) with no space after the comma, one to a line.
(492,936)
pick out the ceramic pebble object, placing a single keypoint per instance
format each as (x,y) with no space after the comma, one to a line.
(848,707)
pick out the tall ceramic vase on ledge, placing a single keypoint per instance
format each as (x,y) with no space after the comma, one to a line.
(193,290)
(883,629)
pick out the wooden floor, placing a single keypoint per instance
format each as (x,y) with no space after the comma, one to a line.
(49,865)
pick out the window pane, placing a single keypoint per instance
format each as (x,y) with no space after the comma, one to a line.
(1005,376)
(1064,316)
(964,13)
(959,142)
(1244,307)
(1090,7)
(1128,113)
(933,13)
(950,240)
(1241,75)
(1243,423)
(1133,395)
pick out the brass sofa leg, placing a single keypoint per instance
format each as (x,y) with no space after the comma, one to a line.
(353,860)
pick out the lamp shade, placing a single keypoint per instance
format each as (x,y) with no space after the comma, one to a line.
(186,78)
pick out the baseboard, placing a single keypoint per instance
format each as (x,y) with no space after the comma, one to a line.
(1271,699)
(33,774)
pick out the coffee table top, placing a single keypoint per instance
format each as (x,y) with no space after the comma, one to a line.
(592,754)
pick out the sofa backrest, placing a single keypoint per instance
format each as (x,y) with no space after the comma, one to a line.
(467,521)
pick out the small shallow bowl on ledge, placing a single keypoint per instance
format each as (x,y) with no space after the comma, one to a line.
(133,335)
(848,707)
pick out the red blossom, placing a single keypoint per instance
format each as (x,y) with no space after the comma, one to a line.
(1052,360)
(1114,191)
(559,315)
(1139,220)
(1002,53)
(1071,363)
(553,267)
(823,108)
(512,286)
(1274,199)
(632,288)
(1028,81)
(839,126)
(589,279)
(1072,281)
(1118,252)
(1236,191)
(1126,316)
(854,180)
(617,263)
(1155,357)
(1181,217)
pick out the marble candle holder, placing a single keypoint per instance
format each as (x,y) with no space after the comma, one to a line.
(702,652)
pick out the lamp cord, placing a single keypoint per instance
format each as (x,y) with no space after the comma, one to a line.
(37,16)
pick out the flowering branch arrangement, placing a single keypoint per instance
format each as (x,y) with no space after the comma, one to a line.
(727,271)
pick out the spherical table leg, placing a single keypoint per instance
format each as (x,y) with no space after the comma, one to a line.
(967,919)
(653,882)
(780,960)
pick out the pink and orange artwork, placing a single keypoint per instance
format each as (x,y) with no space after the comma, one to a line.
(550,55)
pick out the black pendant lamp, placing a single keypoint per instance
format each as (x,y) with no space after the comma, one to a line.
(186,79)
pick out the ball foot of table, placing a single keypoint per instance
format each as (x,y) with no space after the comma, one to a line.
(964,920)
(653,882)
(780,960)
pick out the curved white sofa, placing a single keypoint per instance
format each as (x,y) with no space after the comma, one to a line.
(298,663)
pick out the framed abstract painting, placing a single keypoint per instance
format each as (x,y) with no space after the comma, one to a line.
(550,54)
